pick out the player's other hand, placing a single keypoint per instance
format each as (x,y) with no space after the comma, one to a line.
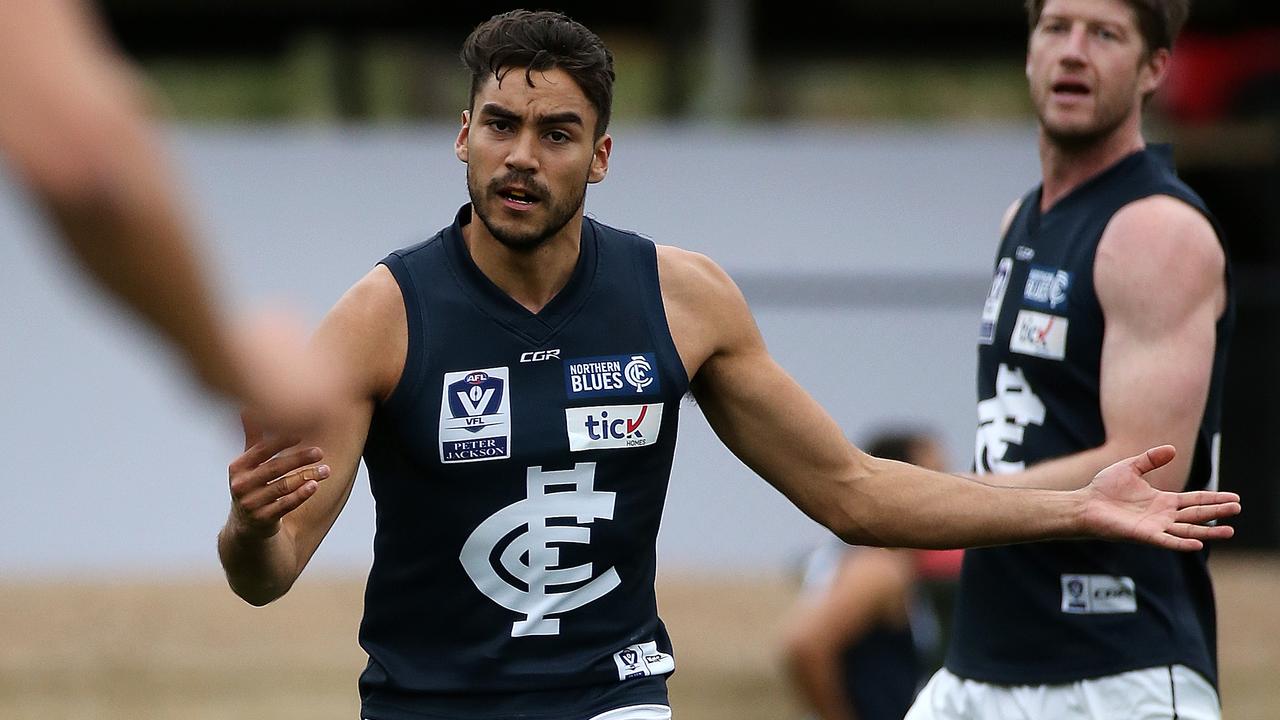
(271,479)
(288,387)
(1121,505)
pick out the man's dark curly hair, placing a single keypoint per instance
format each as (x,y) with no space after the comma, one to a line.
(537,41)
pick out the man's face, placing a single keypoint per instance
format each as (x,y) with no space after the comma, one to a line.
(530,153)
(1089,69)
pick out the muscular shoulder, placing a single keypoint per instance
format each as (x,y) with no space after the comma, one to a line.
(1160,255)
(705,309)
(367,332)
(690,275)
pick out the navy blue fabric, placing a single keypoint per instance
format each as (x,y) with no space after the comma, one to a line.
(463,488)
(1011,626)
(881,673)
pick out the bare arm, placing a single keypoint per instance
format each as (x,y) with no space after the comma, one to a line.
(869,589)
(781,433)
(1159,275)
(75,127)
(283,507)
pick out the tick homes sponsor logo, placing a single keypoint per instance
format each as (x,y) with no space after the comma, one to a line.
(608,427)
(475,416)
(1040,335)
(1098,595)
(1046,287)
(634,374)
(995,300)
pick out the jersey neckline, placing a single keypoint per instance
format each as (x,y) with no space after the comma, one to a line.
(537,327)
(1161,153)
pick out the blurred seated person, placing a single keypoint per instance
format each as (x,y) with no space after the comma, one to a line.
(870,624)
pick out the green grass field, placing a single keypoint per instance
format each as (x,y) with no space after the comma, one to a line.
(191,650)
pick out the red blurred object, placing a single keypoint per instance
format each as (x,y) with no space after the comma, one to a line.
(1210,73)
(939,564)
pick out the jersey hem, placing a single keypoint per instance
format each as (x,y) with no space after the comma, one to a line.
(655,695)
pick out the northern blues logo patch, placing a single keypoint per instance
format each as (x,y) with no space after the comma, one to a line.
(634,374)
(1046,287)
(475,416)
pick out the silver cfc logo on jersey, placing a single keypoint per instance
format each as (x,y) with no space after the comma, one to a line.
(525,538)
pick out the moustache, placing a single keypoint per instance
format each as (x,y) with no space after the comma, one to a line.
(523,180)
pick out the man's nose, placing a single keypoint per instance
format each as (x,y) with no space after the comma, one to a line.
(522,154)
(1075,50)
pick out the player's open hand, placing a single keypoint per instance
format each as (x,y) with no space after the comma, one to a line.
(1121,505)
(271,479)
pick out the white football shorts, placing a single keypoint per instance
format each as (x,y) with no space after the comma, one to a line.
(1168,692)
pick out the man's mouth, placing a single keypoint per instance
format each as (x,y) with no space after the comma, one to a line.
(519,196)
(1071,88)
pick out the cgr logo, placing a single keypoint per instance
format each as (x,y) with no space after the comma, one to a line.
(613,426)
(540,355)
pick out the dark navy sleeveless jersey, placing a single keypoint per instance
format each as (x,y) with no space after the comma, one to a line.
(881,673)
(1057,612)
(519,472)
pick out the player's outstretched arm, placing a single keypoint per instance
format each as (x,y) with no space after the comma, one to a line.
(283,501)
(75,128)
(765,418)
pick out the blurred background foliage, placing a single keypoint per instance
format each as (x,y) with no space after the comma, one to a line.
(396,60)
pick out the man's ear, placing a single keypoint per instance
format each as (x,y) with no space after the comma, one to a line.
(1153,71)
(460,143)
(600,159)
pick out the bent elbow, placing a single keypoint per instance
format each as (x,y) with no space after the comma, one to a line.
(258,595)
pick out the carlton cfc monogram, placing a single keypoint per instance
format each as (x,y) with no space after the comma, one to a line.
(532,557)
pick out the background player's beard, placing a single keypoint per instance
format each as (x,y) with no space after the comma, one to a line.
(558,213)
(1107,119)
(1077,139)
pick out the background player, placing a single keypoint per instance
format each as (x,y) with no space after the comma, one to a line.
(75,130)
(518,383)
(865,633)
(1106,328)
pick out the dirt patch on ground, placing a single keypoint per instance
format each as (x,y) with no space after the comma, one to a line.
(193,651)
